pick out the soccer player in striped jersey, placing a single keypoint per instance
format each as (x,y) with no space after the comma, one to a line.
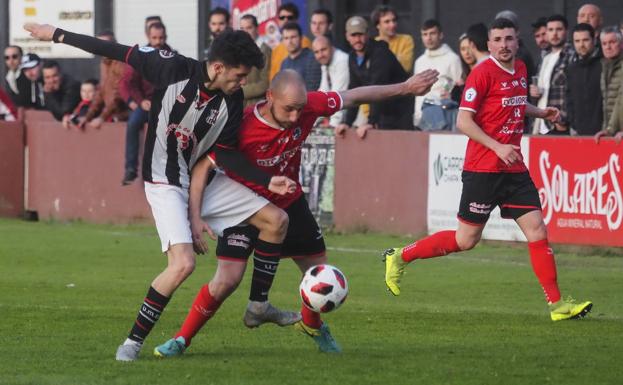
(492,112)
(196,108)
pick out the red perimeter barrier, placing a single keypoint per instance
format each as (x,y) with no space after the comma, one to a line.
(381,183)
(75,174)
(579,183)
(11,169)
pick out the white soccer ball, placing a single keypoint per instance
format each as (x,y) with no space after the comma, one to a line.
(323,288)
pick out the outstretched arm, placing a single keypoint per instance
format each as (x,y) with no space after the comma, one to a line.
(418,84)
(47,32)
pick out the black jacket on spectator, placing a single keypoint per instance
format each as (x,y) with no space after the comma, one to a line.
(380,66)
(524,54)
(584,100)
(65,99)
(30,93)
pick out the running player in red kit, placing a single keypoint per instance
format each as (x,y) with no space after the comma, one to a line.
(491,114)
(271,137)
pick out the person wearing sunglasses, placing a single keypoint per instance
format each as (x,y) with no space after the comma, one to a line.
(12,59)
(287,13)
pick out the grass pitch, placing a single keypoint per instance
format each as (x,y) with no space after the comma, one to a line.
(69,294)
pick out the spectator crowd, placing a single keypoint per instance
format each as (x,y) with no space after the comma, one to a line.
(579,70)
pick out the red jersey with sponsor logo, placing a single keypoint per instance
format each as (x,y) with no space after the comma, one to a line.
(277,150)
(498,99)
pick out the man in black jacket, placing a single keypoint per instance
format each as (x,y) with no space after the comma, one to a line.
(583,97)
(29,84)
(62,92)
(372,63)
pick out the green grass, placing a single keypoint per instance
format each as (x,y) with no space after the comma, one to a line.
(69,294)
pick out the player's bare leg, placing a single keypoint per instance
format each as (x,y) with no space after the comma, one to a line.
(210,297)
(544,267)
(311,324)
(181,263)
(272,223)
(439,244)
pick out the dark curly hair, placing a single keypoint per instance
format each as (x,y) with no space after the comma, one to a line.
(235,48)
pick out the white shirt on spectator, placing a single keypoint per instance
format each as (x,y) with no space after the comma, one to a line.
(448,63)
(545,78)
(335,77)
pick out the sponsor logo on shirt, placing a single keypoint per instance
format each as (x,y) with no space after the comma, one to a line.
(506,130)
(166,54)
(184,136)
(470,94)
(146,49)
(514,101)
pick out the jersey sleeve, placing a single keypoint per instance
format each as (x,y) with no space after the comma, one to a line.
(475,90)
(324,103)
(157,66)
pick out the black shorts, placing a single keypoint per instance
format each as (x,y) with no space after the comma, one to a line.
(515,193)
(304,237)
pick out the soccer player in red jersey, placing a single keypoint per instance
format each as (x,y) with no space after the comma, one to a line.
(271,136)
(491,114)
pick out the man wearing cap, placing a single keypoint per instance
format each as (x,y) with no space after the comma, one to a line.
(371,62)
(30,84)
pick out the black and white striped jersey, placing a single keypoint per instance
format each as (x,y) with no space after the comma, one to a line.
(186,120)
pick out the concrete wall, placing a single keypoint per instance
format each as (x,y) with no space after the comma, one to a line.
(11,169)
(381,182)
(74,174)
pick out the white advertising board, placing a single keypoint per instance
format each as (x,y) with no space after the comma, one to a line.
(72,15)
(445,164)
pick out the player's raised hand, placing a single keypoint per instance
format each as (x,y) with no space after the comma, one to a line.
(509,153)
(552,114)
(282,185)
(43,32)
(421,83)
(197,228)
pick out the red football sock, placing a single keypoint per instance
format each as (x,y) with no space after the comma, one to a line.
(436,245)
(310,317)
(544,266)
(202,309)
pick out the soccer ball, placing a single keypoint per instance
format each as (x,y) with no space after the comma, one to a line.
(323,288)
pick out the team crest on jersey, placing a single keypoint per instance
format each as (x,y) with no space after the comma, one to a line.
(146,49)
(297,133)
(523,82)
(211,119)
(166,54)
(470,94)
(180,98)
(331,103)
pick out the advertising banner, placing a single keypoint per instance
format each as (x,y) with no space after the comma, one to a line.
(579,184)
(446,155)
(317,171)
(266,11)
(72,15)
